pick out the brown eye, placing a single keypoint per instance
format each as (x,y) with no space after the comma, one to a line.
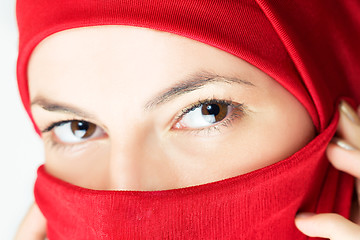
(77,131)
(204,115)
(218,110)
(82,129)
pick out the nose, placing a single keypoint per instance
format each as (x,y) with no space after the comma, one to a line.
(138,163)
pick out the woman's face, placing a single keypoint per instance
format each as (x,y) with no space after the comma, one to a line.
(137,109)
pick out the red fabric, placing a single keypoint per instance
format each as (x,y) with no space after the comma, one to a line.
(258,205)
(238,27)
(309,47)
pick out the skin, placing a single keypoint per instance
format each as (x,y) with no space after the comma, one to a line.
(103,77)
(331,226)
(97,71)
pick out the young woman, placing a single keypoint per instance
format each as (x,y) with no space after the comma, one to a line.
(188,120)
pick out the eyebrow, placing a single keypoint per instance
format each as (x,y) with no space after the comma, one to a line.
(191,83)
(51,106)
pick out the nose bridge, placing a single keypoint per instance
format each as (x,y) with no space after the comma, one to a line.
(137,162)
(126,159)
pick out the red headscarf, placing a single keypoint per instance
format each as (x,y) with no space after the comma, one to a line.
(310,47)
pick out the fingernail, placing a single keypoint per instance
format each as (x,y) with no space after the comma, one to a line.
(349,112)
(305,215)
(341,143)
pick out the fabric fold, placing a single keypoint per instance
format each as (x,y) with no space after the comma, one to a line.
(258,205)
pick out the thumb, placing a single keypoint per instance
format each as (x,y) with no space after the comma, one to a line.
(327,225)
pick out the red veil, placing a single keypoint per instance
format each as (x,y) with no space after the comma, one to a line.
(310,47)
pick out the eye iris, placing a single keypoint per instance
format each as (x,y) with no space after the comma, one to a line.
(219,110)
(82,129)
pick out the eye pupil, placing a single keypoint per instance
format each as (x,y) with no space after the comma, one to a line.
(218,110)
(82,129)
(212,109)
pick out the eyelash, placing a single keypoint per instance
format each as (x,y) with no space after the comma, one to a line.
(238,110)
(56,124)
(54,144)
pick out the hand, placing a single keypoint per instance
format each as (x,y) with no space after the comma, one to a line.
(33,226)
(344,154)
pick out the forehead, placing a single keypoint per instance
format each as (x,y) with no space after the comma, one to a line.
(104,61)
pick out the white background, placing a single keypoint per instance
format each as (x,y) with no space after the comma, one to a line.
(20,148)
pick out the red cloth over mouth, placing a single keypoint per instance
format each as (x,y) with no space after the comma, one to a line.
(258,205)
(310,47)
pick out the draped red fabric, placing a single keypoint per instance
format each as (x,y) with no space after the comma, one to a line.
(310,47)
(259,205)
(238,27)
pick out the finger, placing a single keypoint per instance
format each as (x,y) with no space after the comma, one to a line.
(349,124)
(327,225)
(344,157)
(347,159)
(33,227)
(355,210)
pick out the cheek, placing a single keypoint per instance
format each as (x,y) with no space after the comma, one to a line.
(241,149)
(280,123)
(86,167)
(282,127)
